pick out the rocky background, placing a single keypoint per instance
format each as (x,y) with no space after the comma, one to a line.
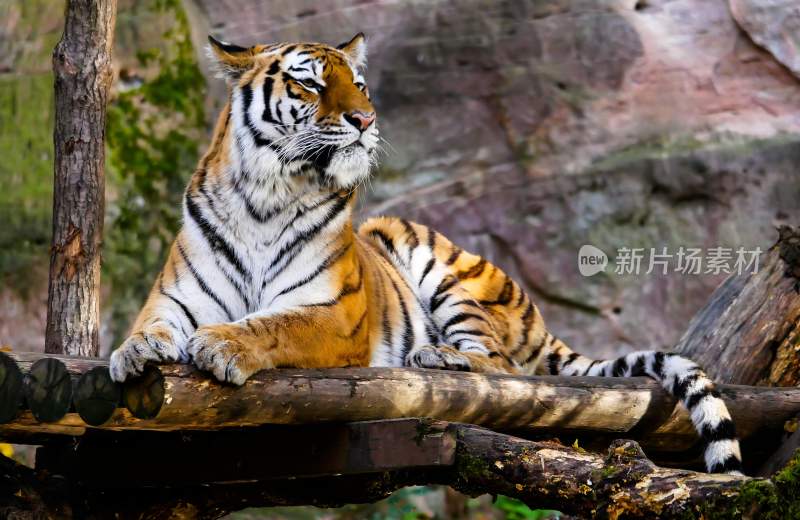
(524,130)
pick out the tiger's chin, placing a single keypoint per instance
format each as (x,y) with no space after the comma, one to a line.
(349,166)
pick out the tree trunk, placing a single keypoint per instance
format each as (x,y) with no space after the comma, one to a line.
(748,332)
(83,74)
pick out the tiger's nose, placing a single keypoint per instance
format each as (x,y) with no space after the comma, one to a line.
(360,120)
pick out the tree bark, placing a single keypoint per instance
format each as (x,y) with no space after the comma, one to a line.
(83,74)
(748,332)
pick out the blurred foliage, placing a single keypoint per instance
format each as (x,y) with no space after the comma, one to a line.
(153,132)
(516,510)
(26,172)
(411,503)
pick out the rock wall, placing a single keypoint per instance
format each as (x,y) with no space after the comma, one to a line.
(525,129)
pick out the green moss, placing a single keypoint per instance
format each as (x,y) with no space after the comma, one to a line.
(666,146)
(423,428)
(469,467)
(774,499)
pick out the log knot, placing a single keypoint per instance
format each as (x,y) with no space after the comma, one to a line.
(789,249)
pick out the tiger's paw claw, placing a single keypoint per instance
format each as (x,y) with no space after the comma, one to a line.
(215,350)
(443,358)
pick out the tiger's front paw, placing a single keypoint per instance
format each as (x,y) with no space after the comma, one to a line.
(226,352)
(154,344)
(443,357)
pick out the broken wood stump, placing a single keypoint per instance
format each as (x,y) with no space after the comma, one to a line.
(749,331)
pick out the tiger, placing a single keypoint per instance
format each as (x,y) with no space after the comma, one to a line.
(269,271)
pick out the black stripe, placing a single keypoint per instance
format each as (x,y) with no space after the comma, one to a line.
(387,326)
(679,387)
(433,337)
(552,362)
(325,264)
(619,368)
(505,294)
(214,239)
(572,357)
(267,116)
(536,350)
(183,307)
(226,47)
(358,325)
(638,368)
(589,368)
(694,399)
(294,246)
(427,270)
(186,311)
(413,239)
(520,298)
(408,332)
(474,271)
(345,291)
(256,215)
(459,318)
(527,323)
(202,283)
(387,242)
(470,303)
(454,255)
(658,365)
(431,239)
(724,430)
(732,463)
(255,133)
(446,283)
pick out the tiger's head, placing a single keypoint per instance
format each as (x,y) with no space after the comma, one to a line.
(301,109)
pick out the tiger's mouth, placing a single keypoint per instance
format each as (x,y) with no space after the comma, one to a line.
(343,166)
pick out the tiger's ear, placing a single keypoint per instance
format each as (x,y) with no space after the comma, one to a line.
(355,50)
(232,60)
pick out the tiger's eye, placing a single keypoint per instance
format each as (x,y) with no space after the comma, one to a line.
(310,83)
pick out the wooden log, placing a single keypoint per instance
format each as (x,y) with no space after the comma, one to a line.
(471,459)
(269,452)
(10,388)
(748,332)
(48,390)
(96,396)
(565,406)
(144,395)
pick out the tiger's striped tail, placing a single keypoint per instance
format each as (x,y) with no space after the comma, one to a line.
(679,376)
